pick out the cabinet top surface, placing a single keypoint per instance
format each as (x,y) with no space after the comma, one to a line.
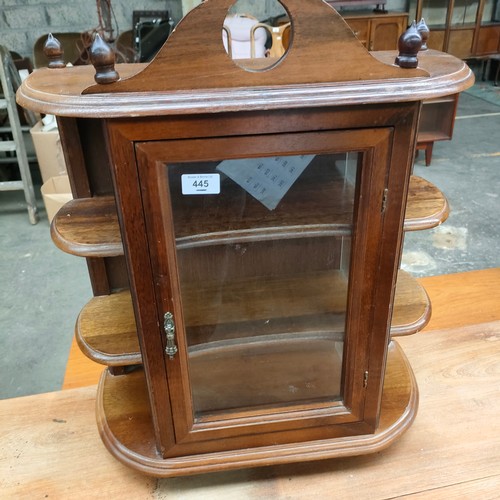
(324,65)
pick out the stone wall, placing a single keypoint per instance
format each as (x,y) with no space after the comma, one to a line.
(266,5)
(22,22)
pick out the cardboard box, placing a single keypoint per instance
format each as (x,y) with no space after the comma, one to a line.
(56,192)
(48,152)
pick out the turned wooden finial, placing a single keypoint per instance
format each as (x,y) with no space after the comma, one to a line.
(409,44)
(102,58)
(424,31)
(54,52)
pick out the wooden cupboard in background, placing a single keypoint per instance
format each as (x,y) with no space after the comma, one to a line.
(377,31)
(464,28)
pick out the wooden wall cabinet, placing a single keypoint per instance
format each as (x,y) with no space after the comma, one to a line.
(243,231)
(463,28)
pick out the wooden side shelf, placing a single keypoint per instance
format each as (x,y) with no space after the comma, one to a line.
(106,331)
(427,207)
(88,227)
(412,306)
(125,425)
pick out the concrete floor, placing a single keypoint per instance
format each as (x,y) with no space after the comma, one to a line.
(467,170)
(44,289)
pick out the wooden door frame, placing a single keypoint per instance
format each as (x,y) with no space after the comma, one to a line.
(134,230)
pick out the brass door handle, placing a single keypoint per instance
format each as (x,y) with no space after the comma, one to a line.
(169,327)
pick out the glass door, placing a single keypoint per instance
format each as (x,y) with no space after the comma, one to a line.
(263,261)
(264,264)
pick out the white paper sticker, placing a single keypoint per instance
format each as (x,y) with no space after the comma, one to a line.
(266,179)
(200,183)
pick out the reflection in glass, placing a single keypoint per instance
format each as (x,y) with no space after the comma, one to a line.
(264,279)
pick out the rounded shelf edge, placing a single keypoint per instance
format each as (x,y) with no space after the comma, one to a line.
(106,332)
(88,227)
(399,408)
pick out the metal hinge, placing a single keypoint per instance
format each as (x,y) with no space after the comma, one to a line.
(384,199)
(169,327)
(365,379)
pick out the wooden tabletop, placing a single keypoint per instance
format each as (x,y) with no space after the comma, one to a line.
(50,447)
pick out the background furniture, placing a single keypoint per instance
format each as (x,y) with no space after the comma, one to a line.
(376,31)
(437,120)
(12,144)
(463,28)
(263,332)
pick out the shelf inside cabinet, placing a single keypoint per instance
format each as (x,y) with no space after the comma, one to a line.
(319,203)
(106,330)
(88,227)
(125,424)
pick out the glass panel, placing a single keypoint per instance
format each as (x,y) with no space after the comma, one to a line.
(491,12)
(434,12)
(464,12)
(263,249)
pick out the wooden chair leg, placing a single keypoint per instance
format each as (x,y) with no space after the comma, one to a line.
(428,153)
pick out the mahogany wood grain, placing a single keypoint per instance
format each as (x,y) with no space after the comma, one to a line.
(59,91)
(370,345)
(412,307)
(488,40)
(130,208)
(88,227)
(323,49)
(134,448)
(106,331)
(426,206)
(81,188)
